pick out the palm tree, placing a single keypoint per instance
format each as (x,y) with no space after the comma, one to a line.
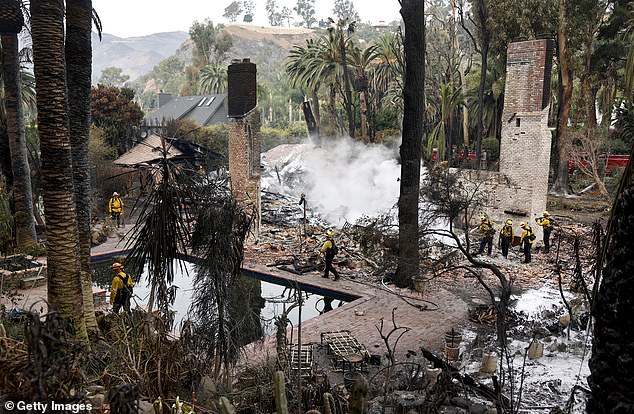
(213,79)
(340,35)
(610,378)
(78,72)
(319,64)
(386,75)
(362,60)
(64,279)
(11,22)
(449,101)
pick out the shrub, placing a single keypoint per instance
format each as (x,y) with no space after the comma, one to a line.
(272,137)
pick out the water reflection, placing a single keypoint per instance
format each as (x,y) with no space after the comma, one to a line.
(256,303)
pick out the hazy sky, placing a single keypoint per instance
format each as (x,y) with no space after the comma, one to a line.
(127,18)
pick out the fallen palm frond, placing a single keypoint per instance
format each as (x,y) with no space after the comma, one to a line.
(46,366)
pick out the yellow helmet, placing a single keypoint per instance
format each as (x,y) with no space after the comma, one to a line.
(509,222)
(329,234)
(523,224)
(546,214)
(483,218)
(116,265)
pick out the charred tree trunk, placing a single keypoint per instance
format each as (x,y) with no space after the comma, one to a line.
(413,12)
(316,109)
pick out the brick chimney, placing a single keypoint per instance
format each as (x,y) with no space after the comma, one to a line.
(526,139)
(244,138)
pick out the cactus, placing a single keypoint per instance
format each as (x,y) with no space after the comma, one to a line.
(281,405)
(358,395)
(226,407)
(327,403)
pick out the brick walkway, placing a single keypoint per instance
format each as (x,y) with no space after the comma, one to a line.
(361,316)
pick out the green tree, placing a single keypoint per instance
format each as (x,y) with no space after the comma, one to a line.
(113,76)
(305,9)
(233,10)
(191,84)
(249,8)
(114,110)
(566,79)
(211,42)
(65,291)
(21,172)
(285,16)
(275,19)
(344,9)
(413,13)
(169,74)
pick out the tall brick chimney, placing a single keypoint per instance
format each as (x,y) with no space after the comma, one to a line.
(244,138)
(526,138)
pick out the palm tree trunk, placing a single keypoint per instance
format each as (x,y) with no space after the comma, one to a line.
(363,103)
(316,110)
(611,363)
(346,86)
(22,193)
(64,279)
(78,72)
(413,12)
(560,186)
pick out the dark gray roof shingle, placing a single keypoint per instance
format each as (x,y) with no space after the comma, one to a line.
(203,109)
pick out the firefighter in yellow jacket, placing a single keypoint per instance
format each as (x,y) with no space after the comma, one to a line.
(488,232)
(547,224)
(121,290)
(506,237)
(115,208)
(528,237)
(329,250)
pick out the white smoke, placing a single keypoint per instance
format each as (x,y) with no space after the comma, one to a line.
(342,179)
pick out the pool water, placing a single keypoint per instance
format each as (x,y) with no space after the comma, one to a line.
(264,300)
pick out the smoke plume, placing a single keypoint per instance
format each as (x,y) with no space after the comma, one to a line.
(342,179)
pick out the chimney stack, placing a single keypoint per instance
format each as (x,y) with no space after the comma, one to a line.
(242,88)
